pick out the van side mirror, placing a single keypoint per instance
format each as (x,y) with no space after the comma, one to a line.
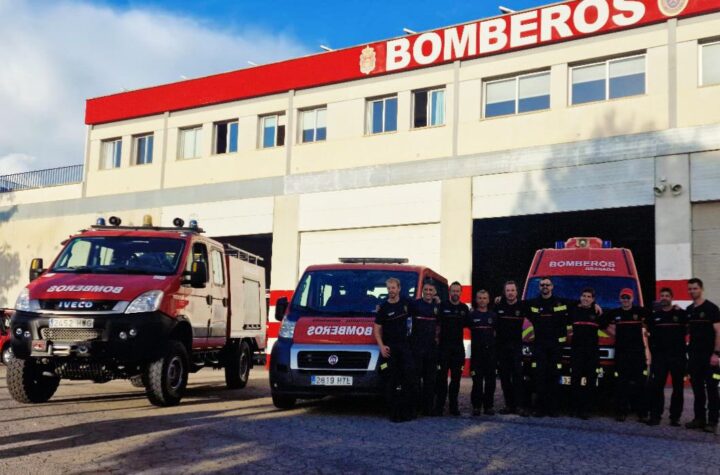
(198,275)
(36,268)
(280,308)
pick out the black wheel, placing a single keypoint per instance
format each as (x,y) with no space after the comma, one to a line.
(166,377)
(29,381)
(237,369)
(7,354)
(137,381)
(282,401)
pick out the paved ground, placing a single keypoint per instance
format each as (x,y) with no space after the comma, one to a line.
(111,428)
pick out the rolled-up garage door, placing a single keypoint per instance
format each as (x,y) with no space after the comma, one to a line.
(706,246)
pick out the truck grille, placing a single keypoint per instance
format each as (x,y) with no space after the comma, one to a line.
(342,359)
(78,305)
(70,334)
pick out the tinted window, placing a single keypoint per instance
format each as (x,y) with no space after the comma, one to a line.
(607,289)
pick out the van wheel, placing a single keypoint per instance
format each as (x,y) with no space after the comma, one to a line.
(165,378)
(237,369)
(283,402)
(27,384)
(7,354)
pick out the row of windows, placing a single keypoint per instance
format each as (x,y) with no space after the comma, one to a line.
(597,81)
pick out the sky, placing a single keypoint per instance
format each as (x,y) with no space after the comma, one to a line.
(55,54)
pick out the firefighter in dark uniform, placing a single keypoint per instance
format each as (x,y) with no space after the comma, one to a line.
(392,336)
(510,318)
(424,345)
(632,356)
(667,327)
(703,352)
(584,356)
(548,315)
(481,322)
(452,350)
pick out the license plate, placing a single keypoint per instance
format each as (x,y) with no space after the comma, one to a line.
(331,380)
(71,323)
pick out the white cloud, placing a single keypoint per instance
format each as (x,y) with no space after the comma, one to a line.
(54,55)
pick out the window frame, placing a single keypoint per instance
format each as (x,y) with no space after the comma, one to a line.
(228,134)
(428,107)
(606,63)
(217,258)
(702,44)
(261,134)
(103,154)
(369,114)
(181,145)
(136,149)
(301,127)
(516,78)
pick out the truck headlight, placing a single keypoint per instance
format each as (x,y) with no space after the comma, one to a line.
(25,303)
(287,328)
(147,302)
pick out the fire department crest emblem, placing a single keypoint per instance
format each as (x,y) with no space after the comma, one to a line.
(367,60)
(672,7)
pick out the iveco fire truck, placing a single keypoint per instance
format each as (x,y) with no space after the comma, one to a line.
(150,304)
(578,263)
(326,345)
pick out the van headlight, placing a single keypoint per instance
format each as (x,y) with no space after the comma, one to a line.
(147,302)
(287,328)
(25,303)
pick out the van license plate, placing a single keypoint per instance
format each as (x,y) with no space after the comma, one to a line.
(331,380)
(71,323)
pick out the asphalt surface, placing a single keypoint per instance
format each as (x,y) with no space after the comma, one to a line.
(111,428)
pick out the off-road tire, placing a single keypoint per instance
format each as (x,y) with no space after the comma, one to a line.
(237,369)
(282,401)
(166,377)
(27,384)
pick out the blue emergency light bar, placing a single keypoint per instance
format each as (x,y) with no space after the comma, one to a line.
(559,244)
(607,244)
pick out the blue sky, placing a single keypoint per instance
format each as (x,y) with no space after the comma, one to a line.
(337,23)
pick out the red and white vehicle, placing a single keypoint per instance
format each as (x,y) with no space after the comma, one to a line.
(582,262)
(145,303)
(326,345)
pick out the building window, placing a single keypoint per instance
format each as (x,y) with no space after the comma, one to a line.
(608,80)
(428,108)
(272,130)
(143,149)
(710,64)
(190,142)
(111,154)
(382,115)
(226,137)
(314,125)
(526,93)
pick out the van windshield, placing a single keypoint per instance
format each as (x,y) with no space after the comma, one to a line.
(348,291)
(607,289)
(120,255)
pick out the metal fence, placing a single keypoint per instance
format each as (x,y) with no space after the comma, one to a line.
(41,178)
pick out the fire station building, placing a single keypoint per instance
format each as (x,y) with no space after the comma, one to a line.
(464,148)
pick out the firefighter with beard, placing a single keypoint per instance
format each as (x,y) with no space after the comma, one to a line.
(424,345)
(452,350)
(392,336)
(510,318)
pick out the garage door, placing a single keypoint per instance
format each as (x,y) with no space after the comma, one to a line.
(418,243)
(706,246)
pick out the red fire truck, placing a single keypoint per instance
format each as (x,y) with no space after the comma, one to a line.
(145,303)
(578,263)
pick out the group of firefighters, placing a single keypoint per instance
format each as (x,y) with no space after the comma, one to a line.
(421,341)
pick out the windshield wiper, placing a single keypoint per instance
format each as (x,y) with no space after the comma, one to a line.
(75,269)
(124,270)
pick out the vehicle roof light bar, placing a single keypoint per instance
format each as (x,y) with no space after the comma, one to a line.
(373,260)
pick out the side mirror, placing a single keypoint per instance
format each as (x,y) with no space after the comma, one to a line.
(280,308)
(36,268)
(198,275)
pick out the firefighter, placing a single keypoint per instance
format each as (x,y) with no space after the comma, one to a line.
(548,315)
(424,345)
(482,323)
(584,356)
(703,352)
(632,356)
(392,336)
(667,327)
(452,350)
(510,319)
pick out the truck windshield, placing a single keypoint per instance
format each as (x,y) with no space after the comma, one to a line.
(607,289)
(348,291)
(120,255)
